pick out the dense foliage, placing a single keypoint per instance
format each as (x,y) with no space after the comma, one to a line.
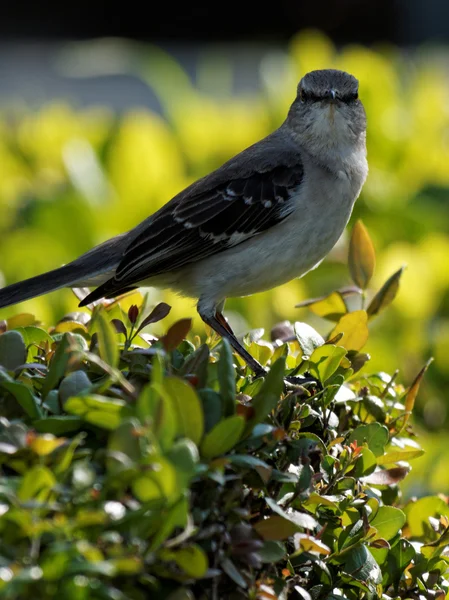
(73,176)
(135,466)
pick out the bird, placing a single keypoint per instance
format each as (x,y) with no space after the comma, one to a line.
(268,215)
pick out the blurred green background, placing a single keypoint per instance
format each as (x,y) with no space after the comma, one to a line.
(71,177)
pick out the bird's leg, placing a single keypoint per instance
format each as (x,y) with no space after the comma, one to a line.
(220,325)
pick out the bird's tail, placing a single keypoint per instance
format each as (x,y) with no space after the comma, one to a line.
(92,268)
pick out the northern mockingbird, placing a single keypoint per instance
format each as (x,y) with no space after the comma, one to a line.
(268,215)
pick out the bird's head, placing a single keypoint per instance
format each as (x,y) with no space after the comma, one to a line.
(327,110)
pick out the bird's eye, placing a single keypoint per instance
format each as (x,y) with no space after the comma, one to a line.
(302,96)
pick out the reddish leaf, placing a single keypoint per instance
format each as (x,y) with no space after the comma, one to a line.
(3,326)
(176,334)
(133,313)
(119,326)
(413,391)
(158,313)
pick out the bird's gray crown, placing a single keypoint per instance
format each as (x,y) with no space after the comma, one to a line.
(328,84)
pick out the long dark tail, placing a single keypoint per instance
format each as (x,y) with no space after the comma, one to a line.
(87,269)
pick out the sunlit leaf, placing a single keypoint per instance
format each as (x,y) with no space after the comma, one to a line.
(307,543)
(362,257)
(354,328)
(331,307)
(374,435)
(388,521)
(325,360)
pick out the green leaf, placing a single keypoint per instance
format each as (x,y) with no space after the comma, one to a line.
(73,385)
(395,454)
(233,573)
(104,412)
(188,408)
(226,379)
(176,516)
(184,457)
(418,514)
(374,435)
(308,338)
(124,440)
(59,425)
(399,558)
(159,482)
(269,394)
(12,350)
(24,396)
(107,340)
(155,408)
(325,360)
(58,364)
(223,437)
(386,294)
(197,363)
(212,407)
(365,463)
(34,336)
(360,564)
(192,560)
(272,551)
(388,521)
(362,257)
(36,484)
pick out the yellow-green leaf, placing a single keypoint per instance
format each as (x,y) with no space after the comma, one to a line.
(332,307)
(188,408)
(386,294)
(354,327)
(308,543)
(45,444)
(362,257)
(223,436)
(36,484)
(107,341)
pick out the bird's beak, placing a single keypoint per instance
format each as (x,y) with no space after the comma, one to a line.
(331,95)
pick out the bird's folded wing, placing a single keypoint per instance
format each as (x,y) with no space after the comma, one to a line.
(204,224)
(198,225)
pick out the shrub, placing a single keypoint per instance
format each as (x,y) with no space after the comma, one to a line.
(136,467)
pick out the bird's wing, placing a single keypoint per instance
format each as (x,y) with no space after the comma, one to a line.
(197,225)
